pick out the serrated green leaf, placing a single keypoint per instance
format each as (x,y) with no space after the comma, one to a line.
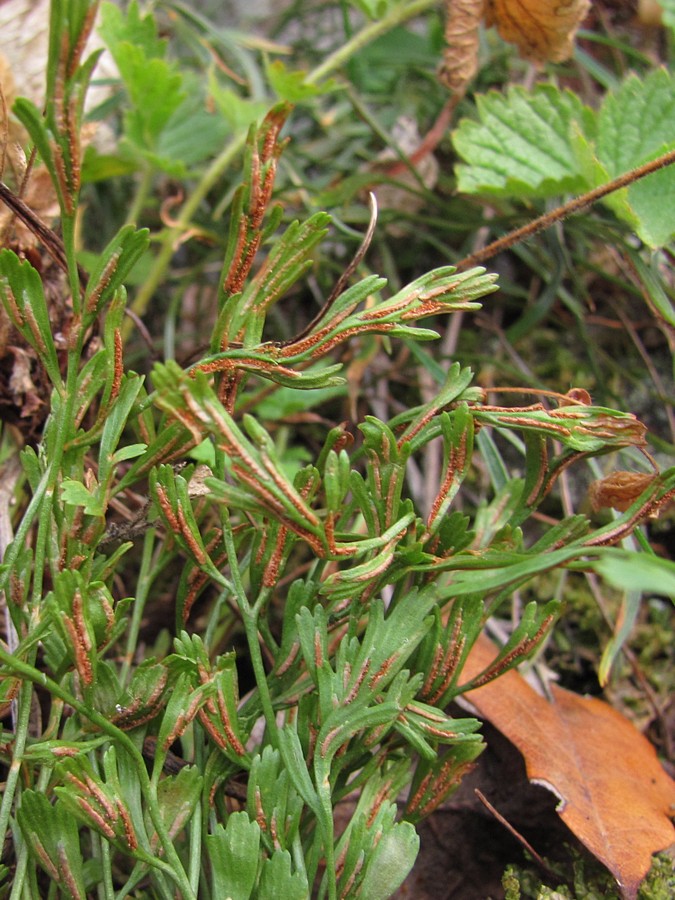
(155,86)
(652,200)
(635,121)
(233,854)
(115,27)
(74,493)
(521,146)
(634,127)
(155,89)
(277,880)
(291,85)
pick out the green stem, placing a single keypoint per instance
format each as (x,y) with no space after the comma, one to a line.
(143,586)
(20,739)
(196,823)
(251,628)
(373,30)
(106,869)
(249,617)
(141,195)
(19,879)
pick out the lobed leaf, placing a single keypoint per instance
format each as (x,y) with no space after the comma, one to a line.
(545,143)
(154,86)
(278,880)
(635,126)
(521,144)
(233,853)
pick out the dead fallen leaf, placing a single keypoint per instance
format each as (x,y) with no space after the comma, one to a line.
(615,796)
(542,29)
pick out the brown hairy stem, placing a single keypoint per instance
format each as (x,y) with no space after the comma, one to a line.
(561,212)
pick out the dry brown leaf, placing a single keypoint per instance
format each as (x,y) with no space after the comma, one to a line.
(618,490)
(460,57)
(542,29)
(615,796)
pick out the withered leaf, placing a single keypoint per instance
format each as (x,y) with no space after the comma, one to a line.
(460,57)
(542,29)
(578,395)
(615,796)
(618,490)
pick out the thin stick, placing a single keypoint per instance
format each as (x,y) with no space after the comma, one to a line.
(517,835)
(578,203)
(46,235)
(343,280)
